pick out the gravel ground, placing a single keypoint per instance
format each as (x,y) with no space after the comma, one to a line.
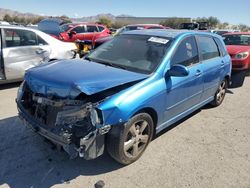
(210,148)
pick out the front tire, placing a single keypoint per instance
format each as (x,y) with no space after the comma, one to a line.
(126,144)
(220,93)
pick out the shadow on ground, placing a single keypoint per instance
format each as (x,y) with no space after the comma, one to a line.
(237,79)
(27,161)
(9,86)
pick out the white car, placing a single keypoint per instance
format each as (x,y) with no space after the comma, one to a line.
(22,48)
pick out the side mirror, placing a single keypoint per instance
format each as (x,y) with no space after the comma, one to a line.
(178,71)
(71,33)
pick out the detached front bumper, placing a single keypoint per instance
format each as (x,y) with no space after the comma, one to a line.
(90,146)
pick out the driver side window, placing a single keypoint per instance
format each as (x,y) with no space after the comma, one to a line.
(186,53)
(79,29)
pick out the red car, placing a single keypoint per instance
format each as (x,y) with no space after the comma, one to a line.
(83,31)
(238,46)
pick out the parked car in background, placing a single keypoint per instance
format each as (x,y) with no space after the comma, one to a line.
(124,91)
(238,46)
(22,48)
(224,31)
(83,31)
(194,26)
(100,41)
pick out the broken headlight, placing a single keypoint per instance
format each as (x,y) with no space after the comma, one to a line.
(96,117)
(20,91)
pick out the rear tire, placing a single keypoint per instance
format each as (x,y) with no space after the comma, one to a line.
(127,143)
(220,93)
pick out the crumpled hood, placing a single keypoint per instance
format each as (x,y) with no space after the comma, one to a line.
(68,78)
(235,49)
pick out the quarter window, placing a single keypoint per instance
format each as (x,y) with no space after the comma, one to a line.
(41,41)
(222,49)
(186,53)
(100,28)
(208,47)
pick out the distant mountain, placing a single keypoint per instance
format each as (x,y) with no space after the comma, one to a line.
(94,18)
(12,13)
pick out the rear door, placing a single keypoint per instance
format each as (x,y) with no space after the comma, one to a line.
(2,76)
(21,51)
(92,32)
(212,64)
(184,93)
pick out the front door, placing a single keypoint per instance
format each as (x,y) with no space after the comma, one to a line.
(184,93)
(79,33)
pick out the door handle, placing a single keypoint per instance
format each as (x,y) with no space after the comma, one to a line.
(198,72)
(222,63)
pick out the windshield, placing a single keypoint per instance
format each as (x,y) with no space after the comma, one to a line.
(243,40)
(137,53)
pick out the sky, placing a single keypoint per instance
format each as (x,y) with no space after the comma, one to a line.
(234,12)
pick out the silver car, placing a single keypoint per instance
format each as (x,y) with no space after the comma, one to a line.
(22,48)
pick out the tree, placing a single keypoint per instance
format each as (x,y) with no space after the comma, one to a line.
(243,27)
(213,21)
(174,22)
(105,21)
(35,20)
(117,25)
(17,19)
(7,18)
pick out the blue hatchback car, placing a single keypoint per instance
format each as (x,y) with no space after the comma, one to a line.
(125,91)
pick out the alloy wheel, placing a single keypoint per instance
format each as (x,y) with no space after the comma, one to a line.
(136,139)
(221,92)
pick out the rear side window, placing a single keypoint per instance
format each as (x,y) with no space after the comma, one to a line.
(221,47)
(208,47)
(186,53)
(79,29)
(100,28)
(16,37)
(91,28)
(41,41)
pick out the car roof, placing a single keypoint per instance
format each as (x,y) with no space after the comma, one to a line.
(83,23)
(16,27)
(142,25)
(238,33)
(170,33)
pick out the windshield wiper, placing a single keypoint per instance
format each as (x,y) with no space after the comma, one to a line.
(105,63)
(113,65)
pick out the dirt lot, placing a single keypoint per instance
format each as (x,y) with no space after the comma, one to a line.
(211,148)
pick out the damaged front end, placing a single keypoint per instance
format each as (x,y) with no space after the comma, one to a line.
(74,124)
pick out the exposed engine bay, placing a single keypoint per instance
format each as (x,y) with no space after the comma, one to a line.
(75,124)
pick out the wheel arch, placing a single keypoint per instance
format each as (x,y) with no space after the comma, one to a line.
(227,77)
(152,112)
